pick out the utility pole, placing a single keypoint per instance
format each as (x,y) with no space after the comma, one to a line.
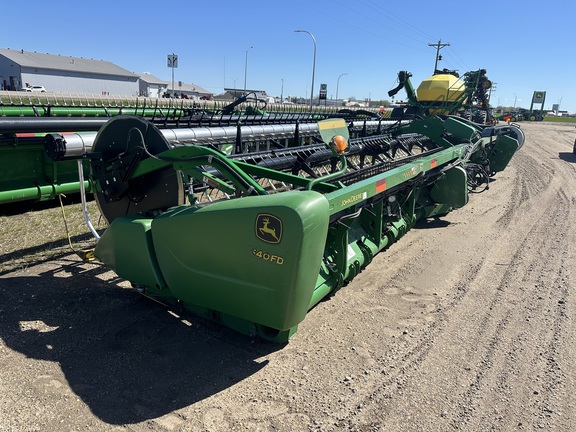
(438,46)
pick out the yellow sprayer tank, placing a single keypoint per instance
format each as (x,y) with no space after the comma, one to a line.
(440,88)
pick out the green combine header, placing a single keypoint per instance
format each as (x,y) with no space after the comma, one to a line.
(255,240)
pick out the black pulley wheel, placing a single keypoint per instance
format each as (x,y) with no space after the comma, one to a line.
(159,190)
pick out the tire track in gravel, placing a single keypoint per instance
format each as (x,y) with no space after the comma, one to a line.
(494,333)
(397,369)
(507,309)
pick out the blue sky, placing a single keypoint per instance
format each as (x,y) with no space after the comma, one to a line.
(523,48)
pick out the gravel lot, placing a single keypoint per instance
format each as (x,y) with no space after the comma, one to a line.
(465,324)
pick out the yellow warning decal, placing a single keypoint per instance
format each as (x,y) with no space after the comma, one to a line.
(327,124)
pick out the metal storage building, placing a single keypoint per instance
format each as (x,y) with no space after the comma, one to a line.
(151,86)
(65,74)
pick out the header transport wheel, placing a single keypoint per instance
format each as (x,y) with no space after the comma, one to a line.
(121,144)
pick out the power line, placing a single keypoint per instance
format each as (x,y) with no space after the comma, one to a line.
(457,60)
(388,36)
(438,46)
(383,11)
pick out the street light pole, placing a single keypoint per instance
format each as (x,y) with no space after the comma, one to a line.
(337,84)
(282,91)
(246,68)
(313,64)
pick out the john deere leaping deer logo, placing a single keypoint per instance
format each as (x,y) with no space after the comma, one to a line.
(268,228)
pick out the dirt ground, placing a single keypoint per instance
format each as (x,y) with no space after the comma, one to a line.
(465,324)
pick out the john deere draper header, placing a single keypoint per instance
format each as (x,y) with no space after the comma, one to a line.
(254,240)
